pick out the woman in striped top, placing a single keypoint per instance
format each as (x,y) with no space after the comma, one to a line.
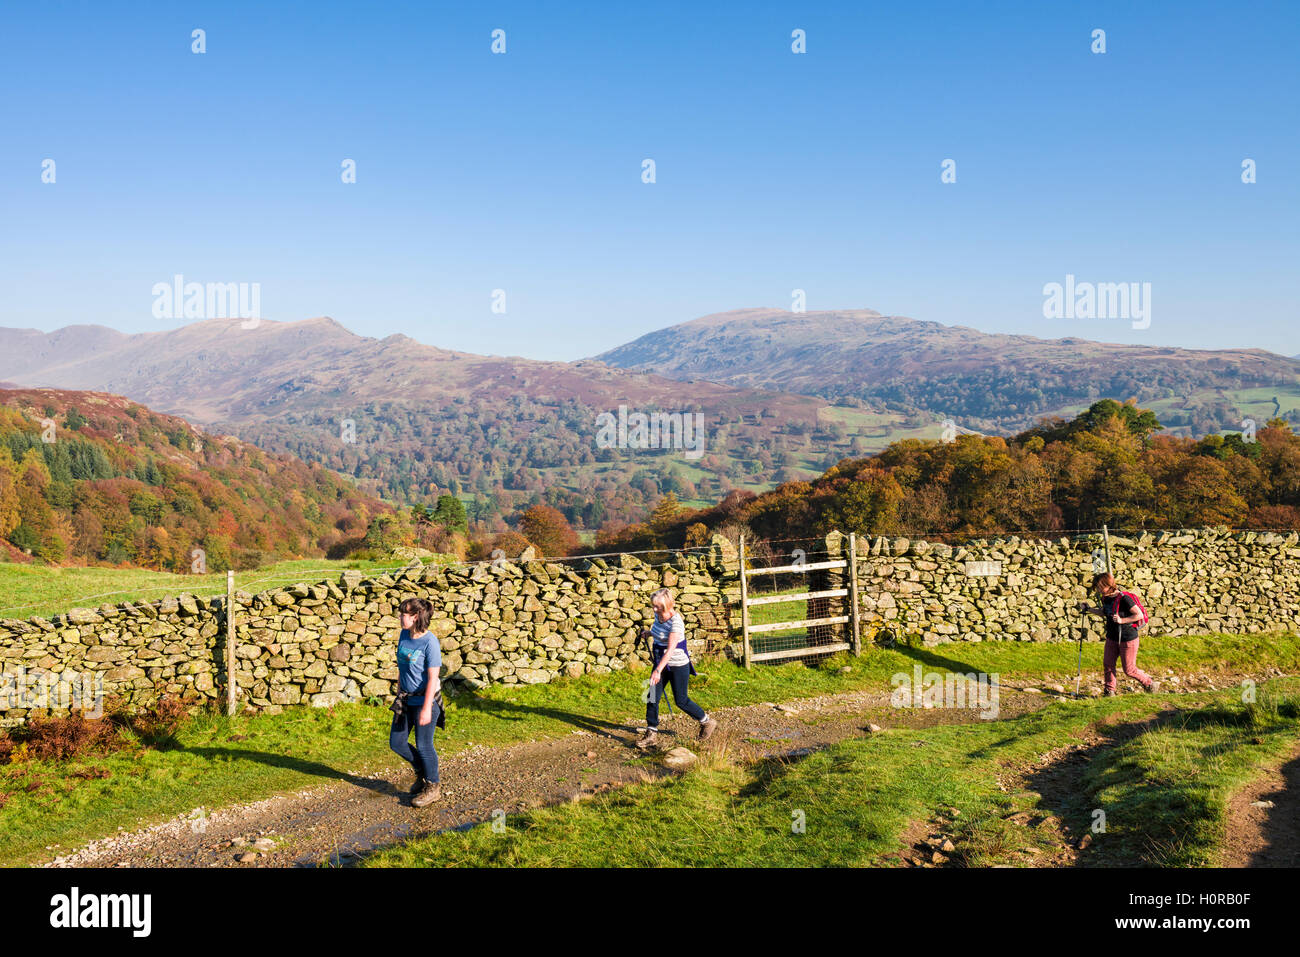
(668,650)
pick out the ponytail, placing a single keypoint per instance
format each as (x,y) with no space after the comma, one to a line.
(1104,578)
(422,609)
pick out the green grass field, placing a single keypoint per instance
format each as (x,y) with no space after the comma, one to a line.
(218,760)
(1255,403)
(30,590)
(879,428)
(1164,793)
(1258,403)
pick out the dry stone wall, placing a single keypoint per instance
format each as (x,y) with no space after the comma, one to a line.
(319,643)
(529,622)
(1191,582)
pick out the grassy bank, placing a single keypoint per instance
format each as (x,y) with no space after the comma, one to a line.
(218,760)
(1164,790)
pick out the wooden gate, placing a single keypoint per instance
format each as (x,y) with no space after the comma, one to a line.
(849,640)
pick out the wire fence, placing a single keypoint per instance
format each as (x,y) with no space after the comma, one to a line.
(209,589)
(761,552)
(1046,533)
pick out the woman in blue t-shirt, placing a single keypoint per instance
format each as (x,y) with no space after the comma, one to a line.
(419,703)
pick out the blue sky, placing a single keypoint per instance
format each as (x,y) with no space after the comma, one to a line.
(775,171)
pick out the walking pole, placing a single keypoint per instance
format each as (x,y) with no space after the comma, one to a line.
(664,696)
(1083,626)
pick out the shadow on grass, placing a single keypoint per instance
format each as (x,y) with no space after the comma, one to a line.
(516,712)
(925,656)
(766,772)
(1159,812)
(465,703)
(500,709)
(286,762)
(1063,788)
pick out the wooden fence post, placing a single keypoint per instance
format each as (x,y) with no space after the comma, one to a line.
(853,590)
(230,643)
(744,604)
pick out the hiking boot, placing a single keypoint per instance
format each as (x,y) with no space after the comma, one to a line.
(647,740)
(417,787)
(707,727)
(1108,693)
(1153,687)
(431,792)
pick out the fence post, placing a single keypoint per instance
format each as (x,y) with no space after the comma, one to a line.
(853,589)
(744,604)
(230,642)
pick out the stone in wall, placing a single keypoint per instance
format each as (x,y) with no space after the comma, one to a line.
(533,621)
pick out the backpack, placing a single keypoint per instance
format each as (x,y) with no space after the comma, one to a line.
(1138,602)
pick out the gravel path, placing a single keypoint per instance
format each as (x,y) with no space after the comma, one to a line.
(341,822)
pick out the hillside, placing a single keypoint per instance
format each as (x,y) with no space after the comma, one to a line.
(93,477)
(985,381)
(502,432)
(1108,465)
(217,370)
(410,422)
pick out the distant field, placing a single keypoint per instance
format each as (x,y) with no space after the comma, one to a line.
(1256,403)
(879,429)
(876,430)
(852,418)
(29,590)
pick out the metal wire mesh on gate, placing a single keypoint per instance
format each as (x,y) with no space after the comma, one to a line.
(795,599)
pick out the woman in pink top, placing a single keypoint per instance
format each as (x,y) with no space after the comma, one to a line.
(1123,617)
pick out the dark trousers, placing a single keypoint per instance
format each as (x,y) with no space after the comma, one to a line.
(679,677)
(424,759)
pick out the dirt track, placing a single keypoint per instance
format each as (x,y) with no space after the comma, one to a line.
(1266,836)
(341,822)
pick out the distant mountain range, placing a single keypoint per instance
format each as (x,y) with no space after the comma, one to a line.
(783,396)
(216,370)
(410,420)
(992,382)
